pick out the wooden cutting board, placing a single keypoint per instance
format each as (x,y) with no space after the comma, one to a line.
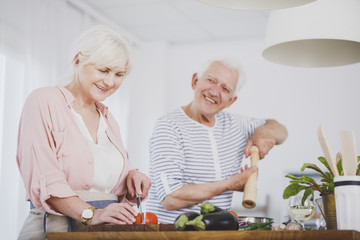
(132,228)
(206,235)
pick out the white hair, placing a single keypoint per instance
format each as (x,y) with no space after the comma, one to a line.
(103,46)
(228,62)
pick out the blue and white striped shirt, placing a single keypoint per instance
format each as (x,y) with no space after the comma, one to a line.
(183,151)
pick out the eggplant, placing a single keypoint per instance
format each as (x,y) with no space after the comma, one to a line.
(181,221)
(208,207)
(221,220)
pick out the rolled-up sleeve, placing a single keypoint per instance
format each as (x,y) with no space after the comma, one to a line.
(37,154)
(166,159)
(249,124)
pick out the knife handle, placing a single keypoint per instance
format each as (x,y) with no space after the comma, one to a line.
(250,189)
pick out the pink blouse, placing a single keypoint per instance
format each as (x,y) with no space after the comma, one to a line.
(53,156)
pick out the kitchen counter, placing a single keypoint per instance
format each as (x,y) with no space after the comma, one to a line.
(248,235)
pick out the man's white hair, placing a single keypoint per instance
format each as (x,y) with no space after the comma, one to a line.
(229,62)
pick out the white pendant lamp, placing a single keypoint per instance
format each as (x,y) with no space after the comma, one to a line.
(324,33)
(256,4)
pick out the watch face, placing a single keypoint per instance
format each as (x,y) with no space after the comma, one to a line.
(87,213)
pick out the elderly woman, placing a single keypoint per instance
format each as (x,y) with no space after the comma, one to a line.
(70,153)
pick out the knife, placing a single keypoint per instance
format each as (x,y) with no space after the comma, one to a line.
(139,206)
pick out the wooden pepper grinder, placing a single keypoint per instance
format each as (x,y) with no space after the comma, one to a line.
(250,189)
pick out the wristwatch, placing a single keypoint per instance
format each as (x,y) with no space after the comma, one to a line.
(87,214)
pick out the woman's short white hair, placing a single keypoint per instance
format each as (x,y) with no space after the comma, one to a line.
(103,46)
(229,62)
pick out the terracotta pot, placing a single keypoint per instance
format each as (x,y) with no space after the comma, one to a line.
(329,210)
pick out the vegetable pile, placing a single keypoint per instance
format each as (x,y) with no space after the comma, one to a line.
(213,218)
(210,218)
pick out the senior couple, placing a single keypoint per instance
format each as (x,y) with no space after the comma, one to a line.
(77,172)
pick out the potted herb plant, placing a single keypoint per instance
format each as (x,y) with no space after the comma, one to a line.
(325,187)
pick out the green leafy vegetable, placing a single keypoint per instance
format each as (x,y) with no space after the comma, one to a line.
(309,185)
(257,226)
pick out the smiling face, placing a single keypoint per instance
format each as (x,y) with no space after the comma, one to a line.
(101,57)
(214,90)
(96,83)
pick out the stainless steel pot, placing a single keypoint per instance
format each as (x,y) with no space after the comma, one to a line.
(255,219)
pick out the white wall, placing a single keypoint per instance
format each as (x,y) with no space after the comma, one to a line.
(300,98)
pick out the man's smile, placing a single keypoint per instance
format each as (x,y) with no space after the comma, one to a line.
(209,99)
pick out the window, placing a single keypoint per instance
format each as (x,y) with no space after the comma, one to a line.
(11,101)
(2,83)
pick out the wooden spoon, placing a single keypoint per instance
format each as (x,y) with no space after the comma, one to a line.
(327,151)
(348,151)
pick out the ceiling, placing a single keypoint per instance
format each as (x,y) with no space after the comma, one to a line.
(180,21)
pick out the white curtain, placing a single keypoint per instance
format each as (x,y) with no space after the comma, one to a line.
(35,36)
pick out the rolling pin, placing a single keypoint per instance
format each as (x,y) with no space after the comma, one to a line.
(250,189)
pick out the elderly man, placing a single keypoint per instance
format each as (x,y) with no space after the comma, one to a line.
(196,151)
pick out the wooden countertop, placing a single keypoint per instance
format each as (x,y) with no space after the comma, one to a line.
(248,235)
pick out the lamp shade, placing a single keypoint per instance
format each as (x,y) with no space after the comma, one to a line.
(324,33)
(256,4)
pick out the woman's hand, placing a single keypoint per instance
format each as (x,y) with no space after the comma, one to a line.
(139,183)
(116,213)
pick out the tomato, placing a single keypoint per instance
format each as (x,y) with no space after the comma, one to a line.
(235,214)
(151,218)
(138,219)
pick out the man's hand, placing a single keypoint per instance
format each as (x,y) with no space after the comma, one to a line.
(263,143)
(237,182)
(191,194)
(265,137)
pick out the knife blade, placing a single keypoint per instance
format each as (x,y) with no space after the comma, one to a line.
(139,206)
